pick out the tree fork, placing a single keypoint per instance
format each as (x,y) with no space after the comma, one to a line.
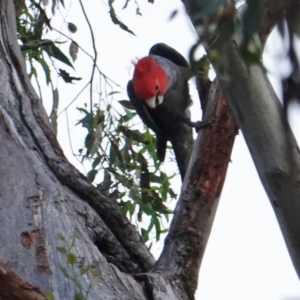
(48,196)
(195,211)
(37,122)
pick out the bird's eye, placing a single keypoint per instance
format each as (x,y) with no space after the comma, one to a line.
(156,87)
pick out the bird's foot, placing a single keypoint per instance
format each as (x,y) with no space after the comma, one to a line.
(200,124)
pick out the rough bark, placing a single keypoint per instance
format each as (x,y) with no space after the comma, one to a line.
(14,287)
(260,117)
(195,211)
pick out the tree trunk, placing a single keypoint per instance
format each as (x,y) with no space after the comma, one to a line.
(38,202)
(260,116)
(60,234)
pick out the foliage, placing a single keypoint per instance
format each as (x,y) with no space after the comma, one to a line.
(115,149)
(73,264)
(220,20)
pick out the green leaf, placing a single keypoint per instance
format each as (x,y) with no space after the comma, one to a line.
(87,121)
(157,228)
(60,42)
(77,283)
(150,246)
(72,258)
(62,250)
(96,162)
(145,234)
(251,18)
(115,156)
(55,52)
(78,296)
(33,71)
(89,143)
(91,175)
(208,8)
(95,272)
(72,27)
(113,93)
(147,209)
(115,19)
(134,135)
(73,50)
(49,295)
(128,207)
(53,115)
(83,110)
(61,237)
(173,14)
(64,271)
(45,68)
(165,185)
(74,236)
(66,76)
(127,117)
(127,104)
(85,269)
(53,7)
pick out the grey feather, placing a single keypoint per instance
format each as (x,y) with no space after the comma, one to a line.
(169,120)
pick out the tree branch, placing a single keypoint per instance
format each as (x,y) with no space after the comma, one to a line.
(13,287)
(273,11)
(38,125)
(201,190)
(271,143)
(95,54)
(35,45)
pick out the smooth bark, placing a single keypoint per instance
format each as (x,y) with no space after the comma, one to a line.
(42,196)
(269,138)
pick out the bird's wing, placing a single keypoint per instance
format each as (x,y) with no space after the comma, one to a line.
(169,53)
(142,111)
(161,147)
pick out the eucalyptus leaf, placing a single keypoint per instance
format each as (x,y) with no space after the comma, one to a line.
(73,50)
(55,52)
(72,27)
(115,19)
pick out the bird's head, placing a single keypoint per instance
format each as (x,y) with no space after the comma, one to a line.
(150,81)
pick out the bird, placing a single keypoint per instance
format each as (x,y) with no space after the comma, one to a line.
(159,92)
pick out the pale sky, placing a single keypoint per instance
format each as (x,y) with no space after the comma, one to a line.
(246,257)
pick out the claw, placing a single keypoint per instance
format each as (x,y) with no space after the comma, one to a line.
(200,124)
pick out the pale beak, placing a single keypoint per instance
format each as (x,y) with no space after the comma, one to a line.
(155,101)
(159,99)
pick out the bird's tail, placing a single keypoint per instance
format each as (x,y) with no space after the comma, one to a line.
(183,146)
(161,147)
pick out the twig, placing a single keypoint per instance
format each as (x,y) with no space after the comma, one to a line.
(73,99)
(36,45)
(89,55)
(95,55)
